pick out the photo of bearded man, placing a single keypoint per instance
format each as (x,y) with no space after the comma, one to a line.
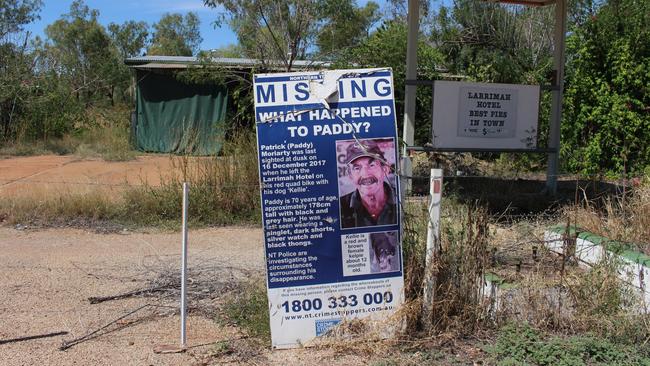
(372,201)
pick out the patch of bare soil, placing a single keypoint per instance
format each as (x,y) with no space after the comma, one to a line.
(48,276)
(55,173)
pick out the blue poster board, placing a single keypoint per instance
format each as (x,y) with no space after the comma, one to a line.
(327,148)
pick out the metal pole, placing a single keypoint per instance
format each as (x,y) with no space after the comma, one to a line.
(433,238)
(557,93)
(186,191)
(408,134)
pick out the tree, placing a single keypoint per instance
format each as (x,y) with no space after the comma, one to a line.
(16,63)
(344,25)
(14,14)
(271,31)
(175,35)
(386,47)
(280,32)
(495,43)
(129,37)
(83,53)
(606,125)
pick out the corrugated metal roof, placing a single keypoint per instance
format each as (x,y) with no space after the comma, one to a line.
(523,2)
(163,59)
(182,62)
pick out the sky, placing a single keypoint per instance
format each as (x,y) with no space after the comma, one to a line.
(150,11)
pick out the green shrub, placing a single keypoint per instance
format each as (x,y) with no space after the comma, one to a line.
(520,344)
(248,308)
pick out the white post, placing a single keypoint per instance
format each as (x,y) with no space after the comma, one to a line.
(433,237)
(557,94)
(186,190)
(413,20)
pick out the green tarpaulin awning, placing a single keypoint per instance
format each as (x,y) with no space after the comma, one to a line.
(174,117)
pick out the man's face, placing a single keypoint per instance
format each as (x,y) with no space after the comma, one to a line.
(368,175)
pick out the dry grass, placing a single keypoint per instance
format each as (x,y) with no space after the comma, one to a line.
(625,218)
(458,306)
(65,206)
(223,190)
(552,293)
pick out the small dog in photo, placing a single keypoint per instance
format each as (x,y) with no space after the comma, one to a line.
(384,248)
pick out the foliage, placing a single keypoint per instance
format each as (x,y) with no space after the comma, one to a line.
(344,25)
(271,31)
(280,32)
(83,53)
(129,37)
(520,344)
(248,308)
(499,43)
(176,35)
(607,99)
(48,111)
(495,43)
(386,47)
(15,61)
(14,14)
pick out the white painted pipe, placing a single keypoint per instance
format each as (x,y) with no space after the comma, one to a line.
(433,234)
(186,191)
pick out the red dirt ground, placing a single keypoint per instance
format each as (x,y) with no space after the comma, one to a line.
(24,174)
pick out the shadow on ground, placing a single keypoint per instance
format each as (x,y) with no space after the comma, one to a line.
(512,197)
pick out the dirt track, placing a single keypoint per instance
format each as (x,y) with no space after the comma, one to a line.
(47,276)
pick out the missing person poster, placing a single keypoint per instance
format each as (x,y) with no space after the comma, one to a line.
(327,145)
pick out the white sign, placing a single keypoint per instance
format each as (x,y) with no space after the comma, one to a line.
(490,116)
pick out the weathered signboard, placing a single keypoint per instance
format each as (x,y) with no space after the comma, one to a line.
(330,199)
(490,116)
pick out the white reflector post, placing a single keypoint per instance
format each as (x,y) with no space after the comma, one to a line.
(186,191)
(433,238)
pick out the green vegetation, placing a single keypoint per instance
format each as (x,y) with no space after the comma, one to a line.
(607,122)
(248,308)
(519,344)
(105,136)
(176,35)
(53,89)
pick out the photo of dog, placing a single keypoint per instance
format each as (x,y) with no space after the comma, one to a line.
(384,252)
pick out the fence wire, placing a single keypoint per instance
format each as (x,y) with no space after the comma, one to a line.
(621,181)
